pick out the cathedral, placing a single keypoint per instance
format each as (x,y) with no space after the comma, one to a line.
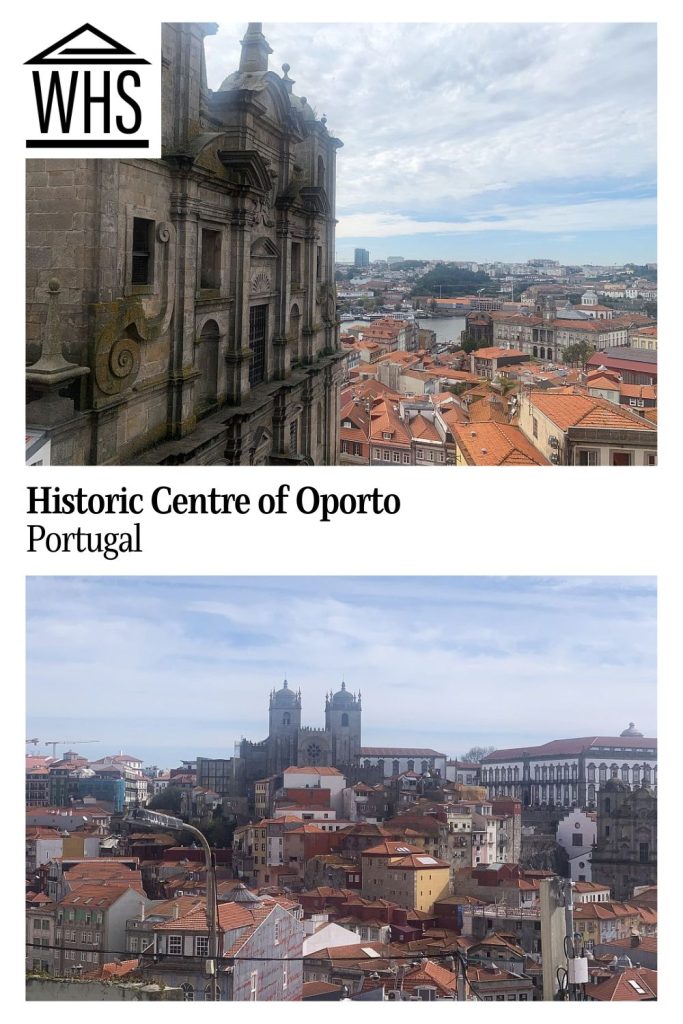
(289,743)
(182,310)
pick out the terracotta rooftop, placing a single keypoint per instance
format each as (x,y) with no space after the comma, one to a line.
(423,429)
(495,352)
(430,974)
(388,848)
(635,984)
(586,411)
(571,747)
(496,444)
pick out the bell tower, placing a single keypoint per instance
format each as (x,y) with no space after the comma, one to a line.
(343,721)
(284,722)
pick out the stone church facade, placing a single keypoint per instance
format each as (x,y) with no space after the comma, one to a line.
(625,854)
(289,743)
(182,310)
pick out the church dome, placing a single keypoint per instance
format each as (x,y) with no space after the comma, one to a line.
(631,731)
(342,698)
(284,698)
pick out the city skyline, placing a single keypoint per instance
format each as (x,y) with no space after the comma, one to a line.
(172,668)
(450,158)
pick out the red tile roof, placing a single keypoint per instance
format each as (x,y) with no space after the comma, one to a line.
(635,984)
(586,411)
(571,747)
(387,848)
(496,444)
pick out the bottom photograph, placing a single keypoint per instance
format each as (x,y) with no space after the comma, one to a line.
(341,788)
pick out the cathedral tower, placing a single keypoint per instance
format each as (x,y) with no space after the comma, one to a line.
(284,722)
(343,721)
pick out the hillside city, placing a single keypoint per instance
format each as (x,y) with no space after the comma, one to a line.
(217,325)
(530,363)
(308,867)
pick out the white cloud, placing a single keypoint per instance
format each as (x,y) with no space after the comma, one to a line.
(591,216)
(195,659)
(437,119)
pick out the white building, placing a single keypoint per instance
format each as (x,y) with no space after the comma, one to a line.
(312,777)
(395,760)
(570,772)
(577,833)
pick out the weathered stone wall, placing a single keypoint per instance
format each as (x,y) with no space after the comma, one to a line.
(249,173)
(39,989)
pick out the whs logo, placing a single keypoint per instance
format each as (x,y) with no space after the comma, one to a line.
(91,92)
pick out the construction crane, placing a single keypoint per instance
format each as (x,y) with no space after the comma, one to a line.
(62,743)
(35,741)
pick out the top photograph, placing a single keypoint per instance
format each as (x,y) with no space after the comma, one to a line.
(363,244)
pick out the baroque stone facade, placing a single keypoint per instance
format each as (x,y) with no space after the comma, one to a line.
(182,310)
(625,854)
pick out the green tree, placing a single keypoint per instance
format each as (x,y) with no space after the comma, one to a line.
(476,754)
(448,281)
(167,800)
(577,354)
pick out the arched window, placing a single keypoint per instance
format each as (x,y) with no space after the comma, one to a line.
(624,773)
(591,773)
(614,771)
(516,773)
(537,773)
(425,767)
(608,805)
(647,774)
(366,763)
(536,350)
(509,774)
(286,718)
(321,172)
(188,992)
(602,773)
(542,352)
(636,775)
(207,363)
(295,333)
(207,992)
(395,767)
(591,793)
(411,766)
(344,719)
(551,773)
(380,765)
(319,423)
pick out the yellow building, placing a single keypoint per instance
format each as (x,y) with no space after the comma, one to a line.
(405,875)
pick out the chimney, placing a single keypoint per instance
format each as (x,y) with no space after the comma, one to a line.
(176,911)
(635,939)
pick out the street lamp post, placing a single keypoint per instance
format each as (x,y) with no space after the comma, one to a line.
(145,818)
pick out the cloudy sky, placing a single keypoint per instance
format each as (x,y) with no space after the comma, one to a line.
(480,141)
(168,668)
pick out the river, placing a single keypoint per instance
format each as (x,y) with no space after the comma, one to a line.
(446,328)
